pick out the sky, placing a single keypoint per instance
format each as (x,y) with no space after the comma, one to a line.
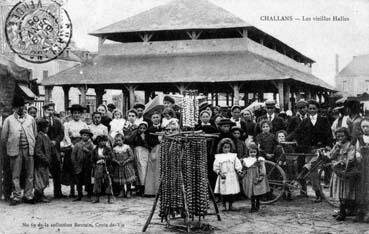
(320,41)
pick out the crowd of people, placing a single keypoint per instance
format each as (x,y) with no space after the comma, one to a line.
(108,153)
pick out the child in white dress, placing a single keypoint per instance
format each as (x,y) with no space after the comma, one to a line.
(117,124)
(227,165)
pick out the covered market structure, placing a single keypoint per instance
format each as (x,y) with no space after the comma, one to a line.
(196,45)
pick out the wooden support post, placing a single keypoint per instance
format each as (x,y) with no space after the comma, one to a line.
(147,95)
(66,97)
(131,93)
(217,99)
(83,91)
(99,96)
(236,94)
(193,34)
(48,93)
(280,93)
(125,101)
(287,102)
(146,37)
(227,99)
(101,42)
(298,95)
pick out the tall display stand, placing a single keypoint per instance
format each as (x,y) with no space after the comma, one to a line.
(184,189)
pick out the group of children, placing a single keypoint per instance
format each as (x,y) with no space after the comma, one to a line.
(229,168)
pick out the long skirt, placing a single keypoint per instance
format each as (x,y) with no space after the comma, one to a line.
(41,178)
(142,157)
(152,180)
(124,174)
(251,187)
(67,177)
(342,189)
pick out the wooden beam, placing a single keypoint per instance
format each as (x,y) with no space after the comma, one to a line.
(182,87)
(281,92)
(194,35)
(243,32)
(66,97)
(145,37)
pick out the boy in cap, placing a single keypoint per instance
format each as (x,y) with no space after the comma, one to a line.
(301,114)
(81,160)
(42,158)
(272,117)
(168,102)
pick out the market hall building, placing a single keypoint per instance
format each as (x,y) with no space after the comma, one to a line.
(192,45)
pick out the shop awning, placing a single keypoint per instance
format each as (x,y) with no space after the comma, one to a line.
(27,92)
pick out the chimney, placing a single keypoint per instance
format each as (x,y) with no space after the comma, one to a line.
(337,64)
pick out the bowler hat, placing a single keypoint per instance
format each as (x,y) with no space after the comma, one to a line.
(139,105)
(235,107)
(169,99)
(77,107)
(225,121)
(204,105)
(301,103)
(86,131)
(18,101)
(270,103)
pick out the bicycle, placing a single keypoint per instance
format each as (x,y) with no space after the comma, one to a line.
(279,184)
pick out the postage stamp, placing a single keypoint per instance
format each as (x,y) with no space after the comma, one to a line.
(38,31)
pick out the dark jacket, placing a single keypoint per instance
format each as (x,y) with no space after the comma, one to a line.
(56,130)
(293,123)
(81,156)
(267,142)
(152,139)
(209,129)
(43,150)
(136,140)
(309,136)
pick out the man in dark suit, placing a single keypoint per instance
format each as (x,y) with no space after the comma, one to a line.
(312,133)
(301,114)
(271,116)
(56,135)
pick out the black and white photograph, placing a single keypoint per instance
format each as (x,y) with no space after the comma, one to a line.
(184,116)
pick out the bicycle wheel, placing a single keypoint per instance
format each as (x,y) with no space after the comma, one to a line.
(324,180)
(277,182)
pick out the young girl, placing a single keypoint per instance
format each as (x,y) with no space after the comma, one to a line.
(117,124)
(343,154)
(266,140)
(280,152)
(240,144)
(101,158)
(124,173)
(254,183)
(168,114)
(226,166)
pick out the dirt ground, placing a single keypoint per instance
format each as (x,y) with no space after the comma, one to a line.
(129,215)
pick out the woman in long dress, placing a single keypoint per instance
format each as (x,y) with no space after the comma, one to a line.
(152,180)
(71,137)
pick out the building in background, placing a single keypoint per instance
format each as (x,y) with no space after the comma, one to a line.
(354,78)
(193,44)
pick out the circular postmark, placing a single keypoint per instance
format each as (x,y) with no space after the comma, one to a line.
(38,31)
